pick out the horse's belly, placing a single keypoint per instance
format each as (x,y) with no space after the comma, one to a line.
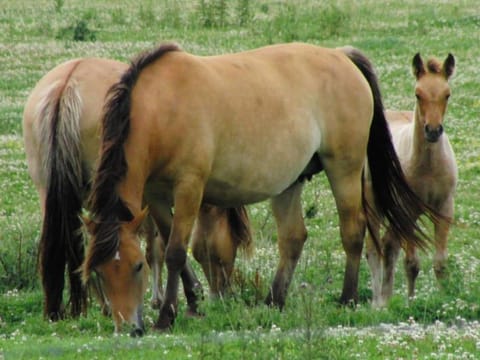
(246,181)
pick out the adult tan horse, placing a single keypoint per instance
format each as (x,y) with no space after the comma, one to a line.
(183,130)
(429,165)
(61,135)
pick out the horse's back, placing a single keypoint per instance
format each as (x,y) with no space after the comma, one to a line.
(91,78)
(277,106)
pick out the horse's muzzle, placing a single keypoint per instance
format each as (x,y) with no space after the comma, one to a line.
(432,135)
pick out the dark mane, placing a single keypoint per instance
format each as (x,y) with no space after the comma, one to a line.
(107,208)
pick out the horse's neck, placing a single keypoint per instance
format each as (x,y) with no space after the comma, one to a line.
(425,155)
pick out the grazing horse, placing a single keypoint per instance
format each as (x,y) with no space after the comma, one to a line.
(183,130)
(61,136)
(429,165)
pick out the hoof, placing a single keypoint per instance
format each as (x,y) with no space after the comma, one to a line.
(166,318)
(137,332)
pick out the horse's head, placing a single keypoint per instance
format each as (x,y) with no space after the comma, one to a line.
(122,269)
(432,92)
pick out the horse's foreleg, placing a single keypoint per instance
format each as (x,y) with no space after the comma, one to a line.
(192,288)
(287,210)
(187,198)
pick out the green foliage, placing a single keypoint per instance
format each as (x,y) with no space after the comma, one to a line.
(146,15)
(59,5)
(78,32)
(213,13)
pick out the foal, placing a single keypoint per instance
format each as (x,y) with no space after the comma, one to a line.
(429,165)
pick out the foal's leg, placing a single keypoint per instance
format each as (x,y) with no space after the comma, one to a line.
(187,198)
(287,210)
(441,238)
(346,185)
(374,260)
(391,250)
(412,267)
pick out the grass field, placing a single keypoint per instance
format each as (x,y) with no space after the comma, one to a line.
(37,35)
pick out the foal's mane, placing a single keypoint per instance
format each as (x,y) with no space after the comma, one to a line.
(434,66)
(107,208)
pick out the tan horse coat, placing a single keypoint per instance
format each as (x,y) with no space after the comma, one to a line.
(183,130)
(61,129)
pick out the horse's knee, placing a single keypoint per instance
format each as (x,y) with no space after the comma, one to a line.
(175,258)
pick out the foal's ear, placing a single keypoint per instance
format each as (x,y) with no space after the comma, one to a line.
(137,221)
(417,66)
(449,66)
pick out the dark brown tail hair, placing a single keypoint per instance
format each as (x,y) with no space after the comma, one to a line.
(393,196)
(61,242)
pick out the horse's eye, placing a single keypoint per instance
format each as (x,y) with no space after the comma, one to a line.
(417,96)
(447,96)
(138,267)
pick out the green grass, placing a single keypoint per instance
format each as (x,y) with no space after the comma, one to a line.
(35,36)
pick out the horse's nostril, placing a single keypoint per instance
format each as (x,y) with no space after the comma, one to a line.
(440,129)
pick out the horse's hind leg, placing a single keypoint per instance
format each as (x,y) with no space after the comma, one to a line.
(287,210)
(346,185)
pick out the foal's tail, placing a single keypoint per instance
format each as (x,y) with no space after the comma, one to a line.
(240,228)
(394,199)
(61,242)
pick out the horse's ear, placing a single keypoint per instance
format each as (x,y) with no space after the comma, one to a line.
(417,66)
(449,66)
(137,221)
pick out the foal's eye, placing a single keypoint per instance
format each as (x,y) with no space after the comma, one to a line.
(417,96)
(138,267)
(447,96)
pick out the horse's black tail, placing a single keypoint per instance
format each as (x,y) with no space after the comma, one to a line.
(61,242)
(394,198)
(240,230)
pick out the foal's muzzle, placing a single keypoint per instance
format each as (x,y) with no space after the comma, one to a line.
(432,135)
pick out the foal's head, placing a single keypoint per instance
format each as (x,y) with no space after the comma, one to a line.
(122,270)
(432,92)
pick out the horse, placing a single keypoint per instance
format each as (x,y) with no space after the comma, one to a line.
(429,164)
(61,124)
(181,130)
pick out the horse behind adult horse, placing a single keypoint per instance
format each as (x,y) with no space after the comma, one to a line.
(430,168)
(183,130)
(61,138)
